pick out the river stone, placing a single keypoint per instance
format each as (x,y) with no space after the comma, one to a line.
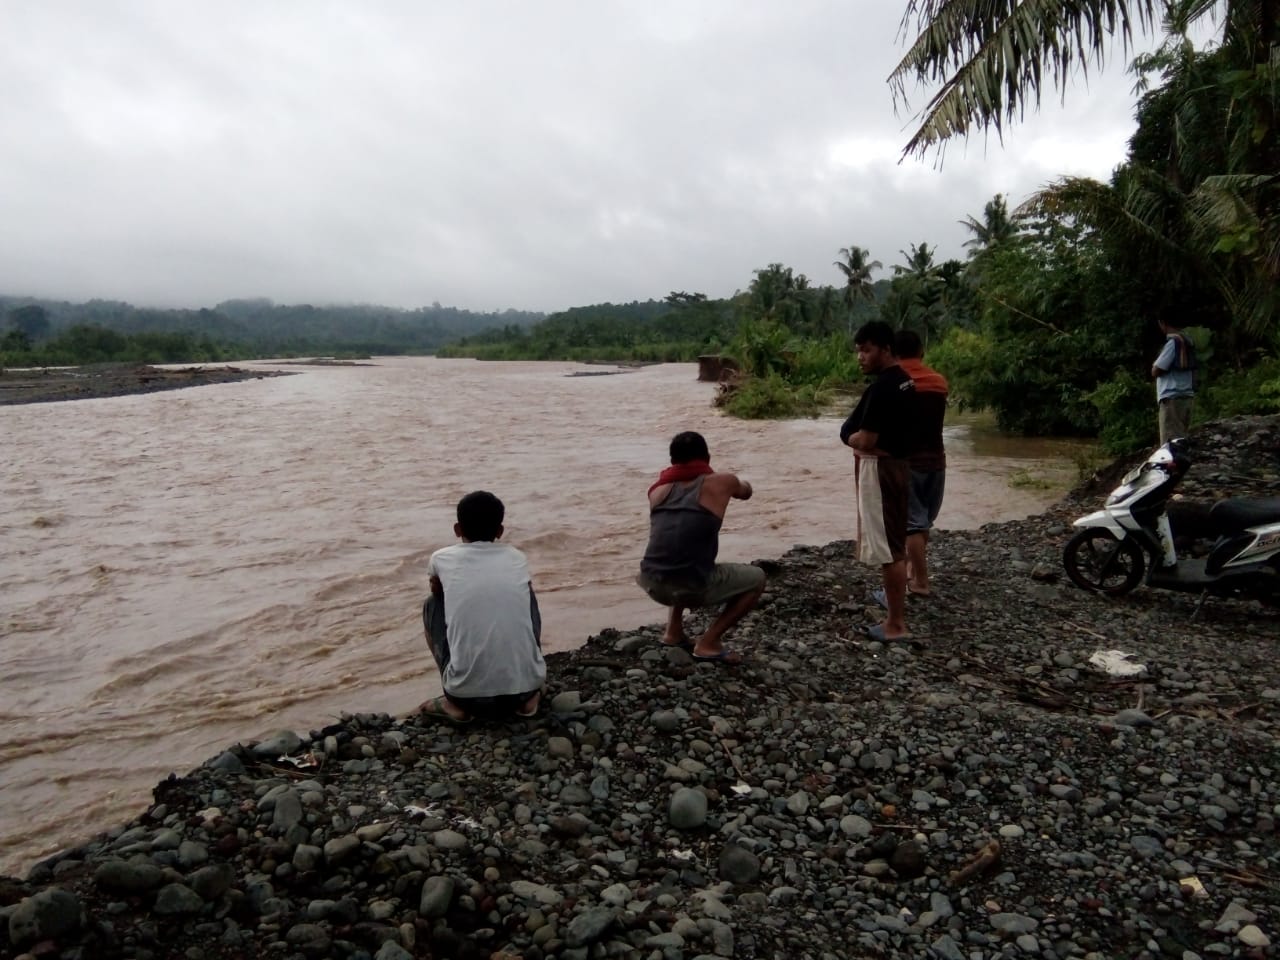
(560,747)
(855,826)
(908,860)
(48,915)
(309,938)
(589,926)
(228,762)
(212,881)
(738,865)
(1146,847)
(1251,936)
(390,950)
(449,840)
(1014,923)
(666,721)
(526,890)
(192,854)
(278,744)
(341,849)
(688,809)
(307,857)
(566,702)
(128,877)
(177,898)
(288,810)
(1133,718)
(437,894)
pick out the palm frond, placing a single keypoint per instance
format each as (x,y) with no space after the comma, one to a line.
(991,57)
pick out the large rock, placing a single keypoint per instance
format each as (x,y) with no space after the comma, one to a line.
(688,809)
(128,877)
(52,914)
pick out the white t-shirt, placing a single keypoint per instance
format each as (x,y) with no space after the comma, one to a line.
(492,648)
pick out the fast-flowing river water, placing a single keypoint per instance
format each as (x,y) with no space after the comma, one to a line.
(183,570)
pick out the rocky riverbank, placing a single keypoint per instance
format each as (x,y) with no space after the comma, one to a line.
(48,384)
(985,792)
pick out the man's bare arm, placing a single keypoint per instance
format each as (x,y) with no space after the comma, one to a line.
(865,441)
(437,588)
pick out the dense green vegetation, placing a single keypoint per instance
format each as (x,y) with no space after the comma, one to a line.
(44,332)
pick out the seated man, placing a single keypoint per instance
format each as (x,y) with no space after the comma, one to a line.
(679,569)
(482,621)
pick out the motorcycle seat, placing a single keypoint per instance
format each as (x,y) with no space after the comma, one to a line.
(1231,516)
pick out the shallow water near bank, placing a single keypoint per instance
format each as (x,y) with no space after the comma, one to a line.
(188,569)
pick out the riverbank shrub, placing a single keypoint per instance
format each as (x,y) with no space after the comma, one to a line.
(771,397)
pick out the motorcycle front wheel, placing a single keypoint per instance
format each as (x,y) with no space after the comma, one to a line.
(1097,561)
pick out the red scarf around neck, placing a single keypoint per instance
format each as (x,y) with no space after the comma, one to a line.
(679,472)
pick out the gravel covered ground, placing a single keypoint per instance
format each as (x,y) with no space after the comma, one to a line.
(984,792)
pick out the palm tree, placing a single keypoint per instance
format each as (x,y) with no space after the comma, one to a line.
(989,61)
(857,270)
(919,263)
(1211,130)
(995,227)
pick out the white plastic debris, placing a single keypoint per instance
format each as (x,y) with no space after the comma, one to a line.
(414,810)
(1117,663)
(741,789)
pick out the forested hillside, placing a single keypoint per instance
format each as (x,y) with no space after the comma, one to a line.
(34,331)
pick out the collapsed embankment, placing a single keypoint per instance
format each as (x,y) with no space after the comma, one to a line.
(984,792)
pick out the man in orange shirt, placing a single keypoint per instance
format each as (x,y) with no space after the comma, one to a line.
(928,461)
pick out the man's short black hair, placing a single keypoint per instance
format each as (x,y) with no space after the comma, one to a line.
(877,333)
(480,515)
(689,446)
(907,345)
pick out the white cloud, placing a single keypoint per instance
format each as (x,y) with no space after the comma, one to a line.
(487,155)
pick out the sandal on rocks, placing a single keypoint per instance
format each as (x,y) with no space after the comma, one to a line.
(436,710)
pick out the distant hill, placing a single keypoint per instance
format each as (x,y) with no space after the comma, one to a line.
(267,328)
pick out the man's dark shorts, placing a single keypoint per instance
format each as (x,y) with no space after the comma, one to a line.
(727,582)
(924,499)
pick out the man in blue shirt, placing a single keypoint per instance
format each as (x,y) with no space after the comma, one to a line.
(1174,372)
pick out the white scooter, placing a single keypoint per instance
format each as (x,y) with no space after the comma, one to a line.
(1111,551)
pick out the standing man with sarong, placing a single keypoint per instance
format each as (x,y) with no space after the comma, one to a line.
(881,431)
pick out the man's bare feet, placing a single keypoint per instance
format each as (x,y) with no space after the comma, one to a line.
(681,641)
(530,707)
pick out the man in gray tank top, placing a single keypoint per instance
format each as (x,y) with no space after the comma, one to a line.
(679,570)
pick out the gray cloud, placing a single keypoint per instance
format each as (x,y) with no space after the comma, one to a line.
(485,155)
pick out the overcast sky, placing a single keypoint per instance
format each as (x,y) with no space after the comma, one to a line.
(482,154)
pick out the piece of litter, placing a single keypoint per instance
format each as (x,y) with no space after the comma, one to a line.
(1117,663)
(414,810)
(682,854)
(741,789)
(304,761)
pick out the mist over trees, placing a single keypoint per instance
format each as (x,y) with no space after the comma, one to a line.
(35,332)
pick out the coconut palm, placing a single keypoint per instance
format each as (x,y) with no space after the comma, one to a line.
(996,226)
(990,59)
(857,270)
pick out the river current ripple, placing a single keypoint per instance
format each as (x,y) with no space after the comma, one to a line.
(183,570)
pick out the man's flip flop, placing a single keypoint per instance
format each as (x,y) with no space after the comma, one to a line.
(730,658)
(436,711)
(876,632)
(882,598)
